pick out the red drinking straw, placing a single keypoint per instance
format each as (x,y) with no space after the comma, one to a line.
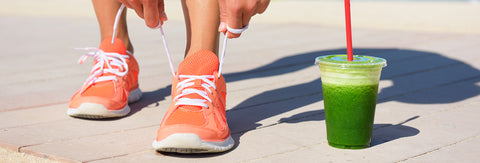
(348,25)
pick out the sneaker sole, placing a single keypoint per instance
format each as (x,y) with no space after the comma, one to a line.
(191,143)
(98,111)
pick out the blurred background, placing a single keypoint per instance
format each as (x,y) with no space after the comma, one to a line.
(457,16)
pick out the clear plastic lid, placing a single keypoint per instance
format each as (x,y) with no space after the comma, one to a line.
(359,61)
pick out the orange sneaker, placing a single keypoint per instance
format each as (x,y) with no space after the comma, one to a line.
(195,121)
(113,82)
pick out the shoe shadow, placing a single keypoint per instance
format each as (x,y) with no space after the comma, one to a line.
(192,155)
(151,98)
(406,70)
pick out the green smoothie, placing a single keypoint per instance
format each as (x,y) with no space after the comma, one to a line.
(350,110)
(350,91)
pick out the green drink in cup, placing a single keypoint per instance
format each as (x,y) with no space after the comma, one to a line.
(350,91)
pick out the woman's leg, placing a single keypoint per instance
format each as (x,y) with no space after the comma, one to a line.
(201,20)
(106,10)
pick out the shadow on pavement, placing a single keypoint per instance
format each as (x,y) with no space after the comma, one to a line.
(150,98)
(383,133)
(410,72)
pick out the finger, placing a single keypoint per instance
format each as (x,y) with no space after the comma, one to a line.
(151,13)
(161,10)
(135,5)
(263,6)
(125,3)
(234,20)
(223,16)
(222,27)
(233,35)
(236,32)
(247,16)
(223,10)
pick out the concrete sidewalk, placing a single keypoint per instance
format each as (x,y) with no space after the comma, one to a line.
(427,109)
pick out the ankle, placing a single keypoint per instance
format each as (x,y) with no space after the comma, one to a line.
(126,42)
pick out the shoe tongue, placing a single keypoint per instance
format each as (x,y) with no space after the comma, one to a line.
(203,62)
(116,47)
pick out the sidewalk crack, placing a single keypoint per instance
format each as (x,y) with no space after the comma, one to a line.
(442,147)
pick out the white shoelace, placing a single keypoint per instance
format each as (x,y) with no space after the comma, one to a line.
(104,58)
(116,64)
(188,80)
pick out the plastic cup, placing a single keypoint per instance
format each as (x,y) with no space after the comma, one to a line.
(350,91)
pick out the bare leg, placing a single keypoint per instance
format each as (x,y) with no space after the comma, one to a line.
(201,20)
(106,11)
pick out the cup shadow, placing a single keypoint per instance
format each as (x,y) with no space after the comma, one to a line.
(383,133)
(246,116)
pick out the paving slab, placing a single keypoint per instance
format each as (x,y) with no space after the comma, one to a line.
(463,151)
(99,147)
(428,95)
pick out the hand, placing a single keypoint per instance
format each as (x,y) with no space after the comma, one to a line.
(237,13)
(152,11)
